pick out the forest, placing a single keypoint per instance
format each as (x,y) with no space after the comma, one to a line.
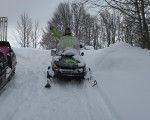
(95,23)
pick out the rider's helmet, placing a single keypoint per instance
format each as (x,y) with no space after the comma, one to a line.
(67,31)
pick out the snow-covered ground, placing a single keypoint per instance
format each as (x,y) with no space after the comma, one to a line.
(122,93)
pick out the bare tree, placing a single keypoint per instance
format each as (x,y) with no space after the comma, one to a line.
(74,15)
(48,40)
(24,29)
(106,19)
(77,12)
(136,10)
(95,33)
(83,23)
(35,34)
(62,17)
(136,14)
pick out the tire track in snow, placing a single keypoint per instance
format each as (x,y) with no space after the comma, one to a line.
(105,104)
(92,100)
(98,112)
(85,107)
(89,103)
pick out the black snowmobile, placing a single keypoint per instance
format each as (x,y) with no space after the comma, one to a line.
(67,61)
(7,63)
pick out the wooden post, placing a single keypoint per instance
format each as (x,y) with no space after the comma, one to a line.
(3,28)
(0,30)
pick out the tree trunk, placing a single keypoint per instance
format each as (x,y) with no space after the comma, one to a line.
(141,39)
(145,28)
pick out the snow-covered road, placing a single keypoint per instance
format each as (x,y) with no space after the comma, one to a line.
(26,98)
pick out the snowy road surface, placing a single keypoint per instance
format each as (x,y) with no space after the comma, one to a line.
(25,97)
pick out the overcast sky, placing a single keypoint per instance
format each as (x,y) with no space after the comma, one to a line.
(41,10)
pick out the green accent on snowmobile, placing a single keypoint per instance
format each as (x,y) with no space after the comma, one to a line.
(70,61)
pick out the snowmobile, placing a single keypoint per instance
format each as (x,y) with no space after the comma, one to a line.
(7,63)
(67,61)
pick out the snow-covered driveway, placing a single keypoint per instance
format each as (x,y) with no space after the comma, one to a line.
(26,98)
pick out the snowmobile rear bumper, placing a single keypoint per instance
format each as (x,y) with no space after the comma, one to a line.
(77,73)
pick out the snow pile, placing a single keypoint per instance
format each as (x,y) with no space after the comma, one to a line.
(89,48)
(80,59)
(123,74)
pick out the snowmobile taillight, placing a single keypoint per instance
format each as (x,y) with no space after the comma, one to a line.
(84,69)
(55,65)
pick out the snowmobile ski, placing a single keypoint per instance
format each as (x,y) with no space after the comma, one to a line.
(90,78)
(49,78)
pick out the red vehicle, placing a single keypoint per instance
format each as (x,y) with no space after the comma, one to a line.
(7,63)
(7,56)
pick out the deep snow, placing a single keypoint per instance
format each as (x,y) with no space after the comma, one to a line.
(122,93)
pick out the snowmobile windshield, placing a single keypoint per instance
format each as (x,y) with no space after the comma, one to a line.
(67,42)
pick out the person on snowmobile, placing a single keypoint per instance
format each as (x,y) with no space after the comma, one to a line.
(57,35)
(67,41)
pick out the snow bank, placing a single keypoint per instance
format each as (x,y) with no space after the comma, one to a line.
(123,74)
(89,48)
